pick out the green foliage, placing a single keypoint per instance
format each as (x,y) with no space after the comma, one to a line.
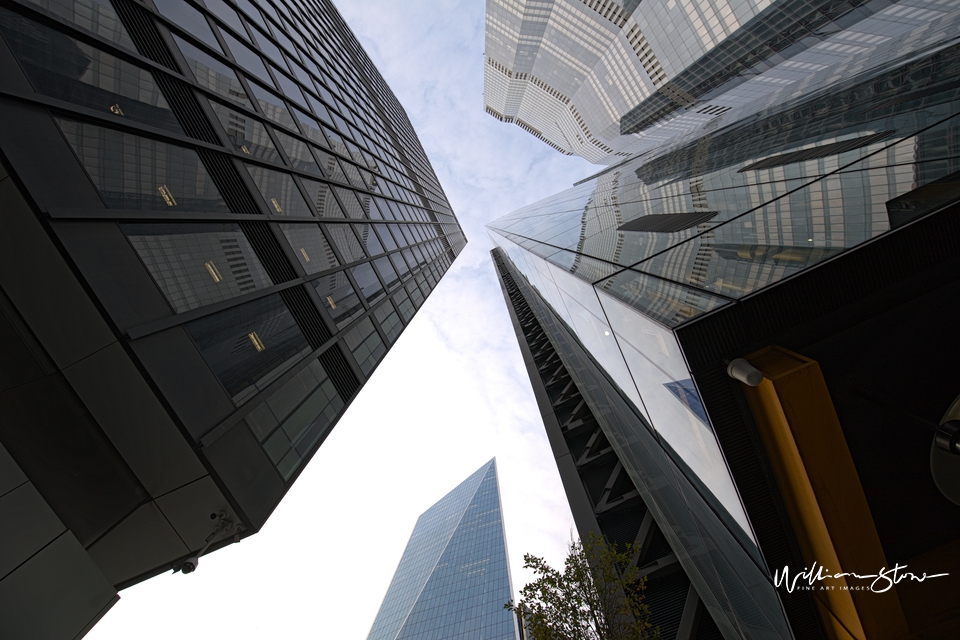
(598,596)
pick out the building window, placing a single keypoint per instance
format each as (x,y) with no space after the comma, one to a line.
(366,345)
(247,347)
(197,264)
(132,172)
(295,417)
(61,67)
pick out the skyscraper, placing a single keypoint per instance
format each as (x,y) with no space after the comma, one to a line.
(217,218)
(453,578)
(608,79)
(808,240)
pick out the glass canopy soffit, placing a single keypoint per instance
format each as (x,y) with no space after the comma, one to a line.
(786,189)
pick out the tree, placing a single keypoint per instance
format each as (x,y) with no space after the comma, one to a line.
(598,596)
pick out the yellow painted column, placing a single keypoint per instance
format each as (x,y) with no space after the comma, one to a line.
(823,495)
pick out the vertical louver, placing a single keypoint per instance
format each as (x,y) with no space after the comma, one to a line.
(143,31)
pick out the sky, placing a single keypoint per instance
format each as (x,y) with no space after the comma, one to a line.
(451,393)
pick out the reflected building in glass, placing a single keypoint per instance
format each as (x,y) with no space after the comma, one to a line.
(454,577)
(609,79)
(811,237)
(217,219)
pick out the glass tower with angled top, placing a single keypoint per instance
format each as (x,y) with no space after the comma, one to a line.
(453,578)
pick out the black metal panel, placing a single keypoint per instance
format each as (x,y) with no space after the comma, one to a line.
(337,367)
(250,478)
(58,445)
(225,176)
(184,104)
(268,249)
(306,315)
(144,33)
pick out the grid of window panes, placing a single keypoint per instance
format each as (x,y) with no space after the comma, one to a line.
(453,581)
(263,172)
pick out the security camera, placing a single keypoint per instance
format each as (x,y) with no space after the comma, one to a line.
(190,565)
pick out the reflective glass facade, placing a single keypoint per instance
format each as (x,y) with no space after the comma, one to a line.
(453,578)
(629,259)
(608,79)
(217,221)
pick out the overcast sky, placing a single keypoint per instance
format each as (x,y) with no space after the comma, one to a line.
(451,394)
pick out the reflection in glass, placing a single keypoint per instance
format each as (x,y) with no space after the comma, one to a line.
(213,74)
(353,205)
(369,239)
(370,286)
(322,198)
(299,153)
(132,172)
(196,264)
(339,299)
(185,17)
(95,16)
(66,69)
(387,272)
(248,346)
(311,128)
(246,133)
(310,246)
(220,9)
(295,417)
(389,321)
(343,236)
(366,345)
(280,191)
(247,59)
(273,106)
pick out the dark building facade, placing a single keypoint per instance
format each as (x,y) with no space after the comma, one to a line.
(216,219)
(812,239)
(454,576)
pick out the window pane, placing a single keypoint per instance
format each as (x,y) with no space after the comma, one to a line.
(139,173)
(369,239)
(213,74)
(247,58)
(95,16)
(273,107)
(198,264)
(352,204)
(339,298)
(311,128)
(366,345)
(321,196)
(246,133)
(311,247)
(298,153)
(220,9)
(370,287)
(66,69)
(189,19)
(387,272)
(389,321)
(343,236)
(248,346)
(279,190)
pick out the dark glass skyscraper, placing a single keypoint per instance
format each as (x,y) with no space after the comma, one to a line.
(812,236)
(453,578)
(217,218)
